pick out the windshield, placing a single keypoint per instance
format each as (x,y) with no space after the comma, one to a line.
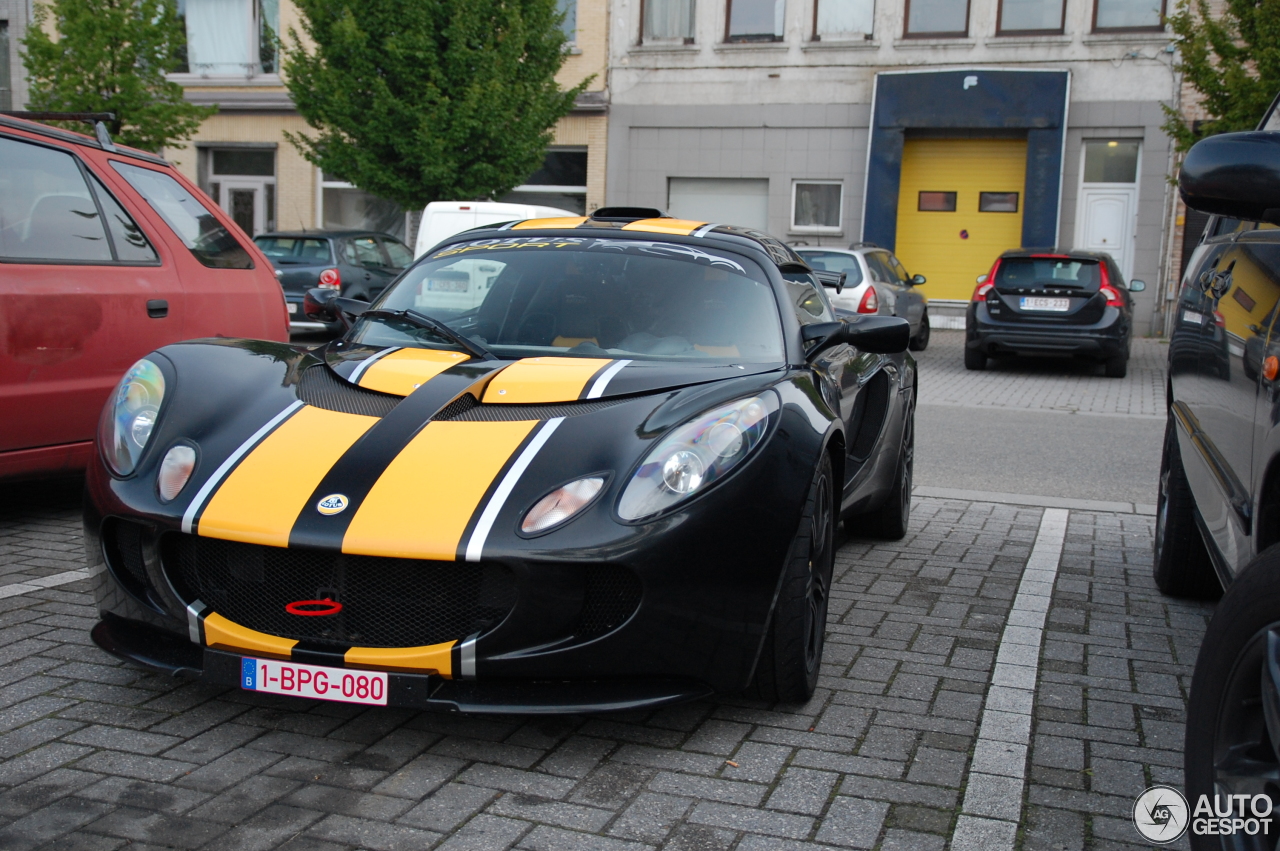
(579,296)
(1050,272)
(290,249)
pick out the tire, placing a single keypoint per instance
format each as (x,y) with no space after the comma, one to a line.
(791,657)
(974,359)
(1229,744)
(1116,367)
(1180,559)
(889,522)
(920,341)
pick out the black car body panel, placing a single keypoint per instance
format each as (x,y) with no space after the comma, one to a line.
(597,613)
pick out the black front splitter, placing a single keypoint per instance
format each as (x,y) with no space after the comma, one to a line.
(166,653)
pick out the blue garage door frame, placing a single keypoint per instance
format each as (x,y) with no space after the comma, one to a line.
(968,100)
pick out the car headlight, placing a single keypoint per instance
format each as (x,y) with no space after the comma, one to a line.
(131,415)
(696,454)
(561,504)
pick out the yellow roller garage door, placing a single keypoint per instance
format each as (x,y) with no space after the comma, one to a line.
(959,206)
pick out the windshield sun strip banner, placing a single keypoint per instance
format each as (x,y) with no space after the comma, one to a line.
(544,380)
(260,500)
(598,386)
(198,501)
(422,504)
(404,370)
(361,367)
(475,546)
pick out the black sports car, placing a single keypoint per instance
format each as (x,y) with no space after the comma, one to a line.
(566,464)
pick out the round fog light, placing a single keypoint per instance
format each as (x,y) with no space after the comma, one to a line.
(175,469)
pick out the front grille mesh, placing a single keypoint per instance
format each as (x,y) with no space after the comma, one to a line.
(387,602)
(321,388)
(612,596)
(122,545)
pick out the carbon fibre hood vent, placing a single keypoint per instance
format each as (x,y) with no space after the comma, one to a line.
(321,388)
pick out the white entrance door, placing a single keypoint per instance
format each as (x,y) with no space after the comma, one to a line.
(245,202)
(1107,222)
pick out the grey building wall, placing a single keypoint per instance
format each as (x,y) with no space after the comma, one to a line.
(17,13)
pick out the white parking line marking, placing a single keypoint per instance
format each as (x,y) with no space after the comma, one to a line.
(997,774)
(28,585)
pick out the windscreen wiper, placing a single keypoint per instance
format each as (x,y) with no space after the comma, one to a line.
(430,323)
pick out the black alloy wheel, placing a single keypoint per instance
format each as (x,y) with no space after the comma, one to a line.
(1232,742)
(920,341)
(1180,563)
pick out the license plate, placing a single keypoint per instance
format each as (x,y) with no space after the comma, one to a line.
(1191,317)
(1059,305)
(293,307)
(314,681)
(439,286)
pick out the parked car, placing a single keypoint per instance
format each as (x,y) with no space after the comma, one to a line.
(106,253)
(875,282)
(551,469)
(1069,303)
(443,219)
(357,264)
(1218,509)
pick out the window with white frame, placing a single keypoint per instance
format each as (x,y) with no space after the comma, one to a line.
(836,20)
(569,8)
(816,206)
(345,207)
(667,21)
(229,38)
(755,20)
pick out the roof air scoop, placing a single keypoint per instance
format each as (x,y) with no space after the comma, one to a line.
(627,214)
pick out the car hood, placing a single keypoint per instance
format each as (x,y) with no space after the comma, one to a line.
(419,458)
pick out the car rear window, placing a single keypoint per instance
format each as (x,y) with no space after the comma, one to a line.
(832,261)
(289,249)
(1039,273)
(200,231)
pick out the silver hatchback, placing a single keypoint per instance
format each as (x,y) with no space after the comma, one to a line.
(875,282)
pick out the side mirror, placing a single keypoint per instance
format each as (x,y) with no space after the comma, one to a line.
(879,335)
(830,280)
(919,279)
(1136,286)
(321,305)
(982,279)
(1235,175)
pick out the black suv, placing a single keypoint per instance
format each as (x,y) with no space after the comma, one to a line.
(1218,511)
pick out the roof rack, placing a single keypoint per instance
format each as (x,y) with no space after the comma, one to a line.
(627,214)
(29,118)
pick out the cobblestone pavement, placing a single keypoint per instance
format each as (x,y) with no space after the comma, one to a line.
(95,754)
(1034,383)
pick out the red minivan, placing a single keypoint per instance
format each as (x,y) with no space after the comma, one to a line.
(106,253)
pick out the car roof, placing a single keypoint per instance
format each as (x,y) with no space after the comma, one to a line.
(778,251)
(74,138)
(322,234)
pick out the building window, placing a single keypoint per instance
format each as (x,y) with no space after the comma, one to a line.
(843,19)
(242,181)
(936,202)
(344,207)
(229,38)
(816,206)
(1111,161)
(560,183)
(1030,16)
(6,80)
(997,202)
(569,8)
(1128,15)
(937,18)
(755,20)
(666,21)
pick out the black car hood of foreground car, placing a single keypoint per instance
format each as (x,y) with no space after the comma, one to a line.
(277,429)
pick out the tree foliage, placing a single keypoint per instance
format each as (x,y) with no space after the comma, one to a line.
(428,100)
(112,56)
(1233,61)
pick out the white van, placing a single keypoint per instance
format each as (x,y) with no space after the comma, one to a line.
(443,219)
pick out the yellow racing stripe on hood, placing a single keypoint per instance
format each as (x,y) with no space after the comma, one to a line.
(260,500)
(543,380)
(680,227)
(566,222)
(432,659)
(403,371)
(228,635)
(422,502)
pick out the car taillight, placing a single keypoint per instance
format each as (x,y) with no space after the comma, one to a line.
(330,280)
(869,303)
(980,294)
(1113,295)
(1218,319)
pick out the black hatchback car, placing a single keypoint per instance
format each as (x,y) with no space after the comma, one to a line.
(359,264)
(1072,303)
(1218,509)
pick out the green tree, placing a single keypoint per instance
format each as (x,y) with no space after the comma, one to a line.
(428,100)
(112,56)
(1233,61)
